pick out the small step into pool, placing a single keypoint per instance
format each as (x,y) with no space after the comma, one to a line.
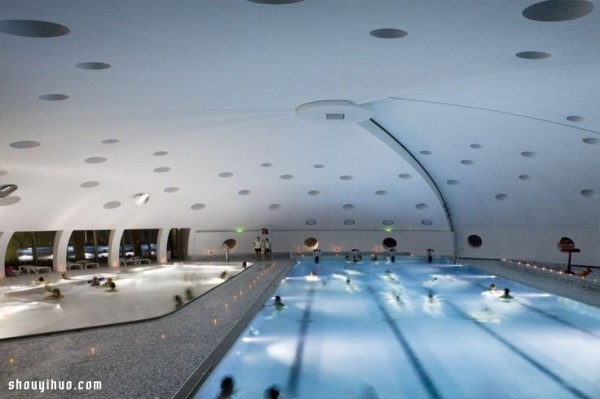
(412,330)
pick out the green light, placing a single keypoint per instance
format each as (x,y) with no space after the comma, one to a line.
(239,229)
(388,229)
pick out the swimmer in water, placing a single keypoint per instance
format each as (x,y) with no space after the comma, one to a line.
(278,303)
(506,296)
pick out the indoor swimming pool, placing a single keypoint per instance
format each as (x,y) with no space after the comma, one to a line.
(140,293)
(412,330)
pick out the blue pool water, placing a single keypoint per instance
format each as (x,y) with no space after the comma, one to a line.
(413,330)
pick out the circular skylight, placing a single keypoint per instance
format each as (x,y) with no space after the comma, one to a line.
(425,152)
(381,192)
(467,162)
(405,176)
(274,207)
(160,153)
(388,33)
(111,205)
(89,184)
(286,177)
(310,222)
(524,177)
(313,193)
(501,197)
(95,160)
(590,193)
(346,177)
(53,97)
(11,200)
(533,55)
(162,169)
(198,207)
(421,206)
(110,141)
(591,140)
(275,2)
(476,146)
(25,144)
(349,222)
(225,174)
(348,207)
(426,222)
(266,164)
(32,28)
(244,192)
(318,166)
(556,11)
(388,222)
(171,189)
(528,154)
(93,66)
(575,118)
(452,182)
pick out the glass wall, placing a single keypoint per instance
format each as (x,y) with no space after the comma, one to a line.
(30,248)
(141,243)
(91,245)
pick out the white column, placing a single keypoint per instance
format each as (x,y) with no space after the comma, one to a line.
(114,241)
(4,240)
(161,245)
(59,250)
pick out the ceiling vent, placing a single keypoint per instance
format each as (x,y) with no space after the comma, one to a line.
(335,116)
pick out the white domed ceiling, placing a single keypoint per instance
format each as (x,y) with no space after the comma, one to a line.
(376,115)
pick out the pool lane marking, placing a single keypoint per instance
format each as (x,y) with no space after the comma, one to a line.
(426,380)
(558,379)
(296,368)
(544,313)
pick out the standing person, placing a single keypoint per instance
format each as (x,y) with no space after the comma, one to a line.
(429,255)
(267,247)
(258,248)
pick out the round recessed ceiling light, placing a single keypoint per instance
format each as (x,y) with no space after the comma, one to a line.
(318,166)
(421,206)
(333,111)
(198,207)
(556,11)
(171,189)
(405,176)
(160,153)
(53,97)
(533,55)
(349,222)
(476,146)
(162,169)
(32,28)
(111,205)
(244,192)
(110,141)
(141,198)
(313,193)
(346,177)
(426,222)
(501,197)
(89,184)
(425,152)
(93,66)
(388,222)
(467,162)
(25,144)
(286,177)
(381,192)
(575,118)
(591,140)
(310,222)
(225,174)
(388,33)
(266,164)
(348,207)
(452,182)
(524,177)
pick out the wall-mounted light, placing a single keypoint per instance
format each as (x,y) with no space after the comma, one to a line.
(141,198)
(7,189)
